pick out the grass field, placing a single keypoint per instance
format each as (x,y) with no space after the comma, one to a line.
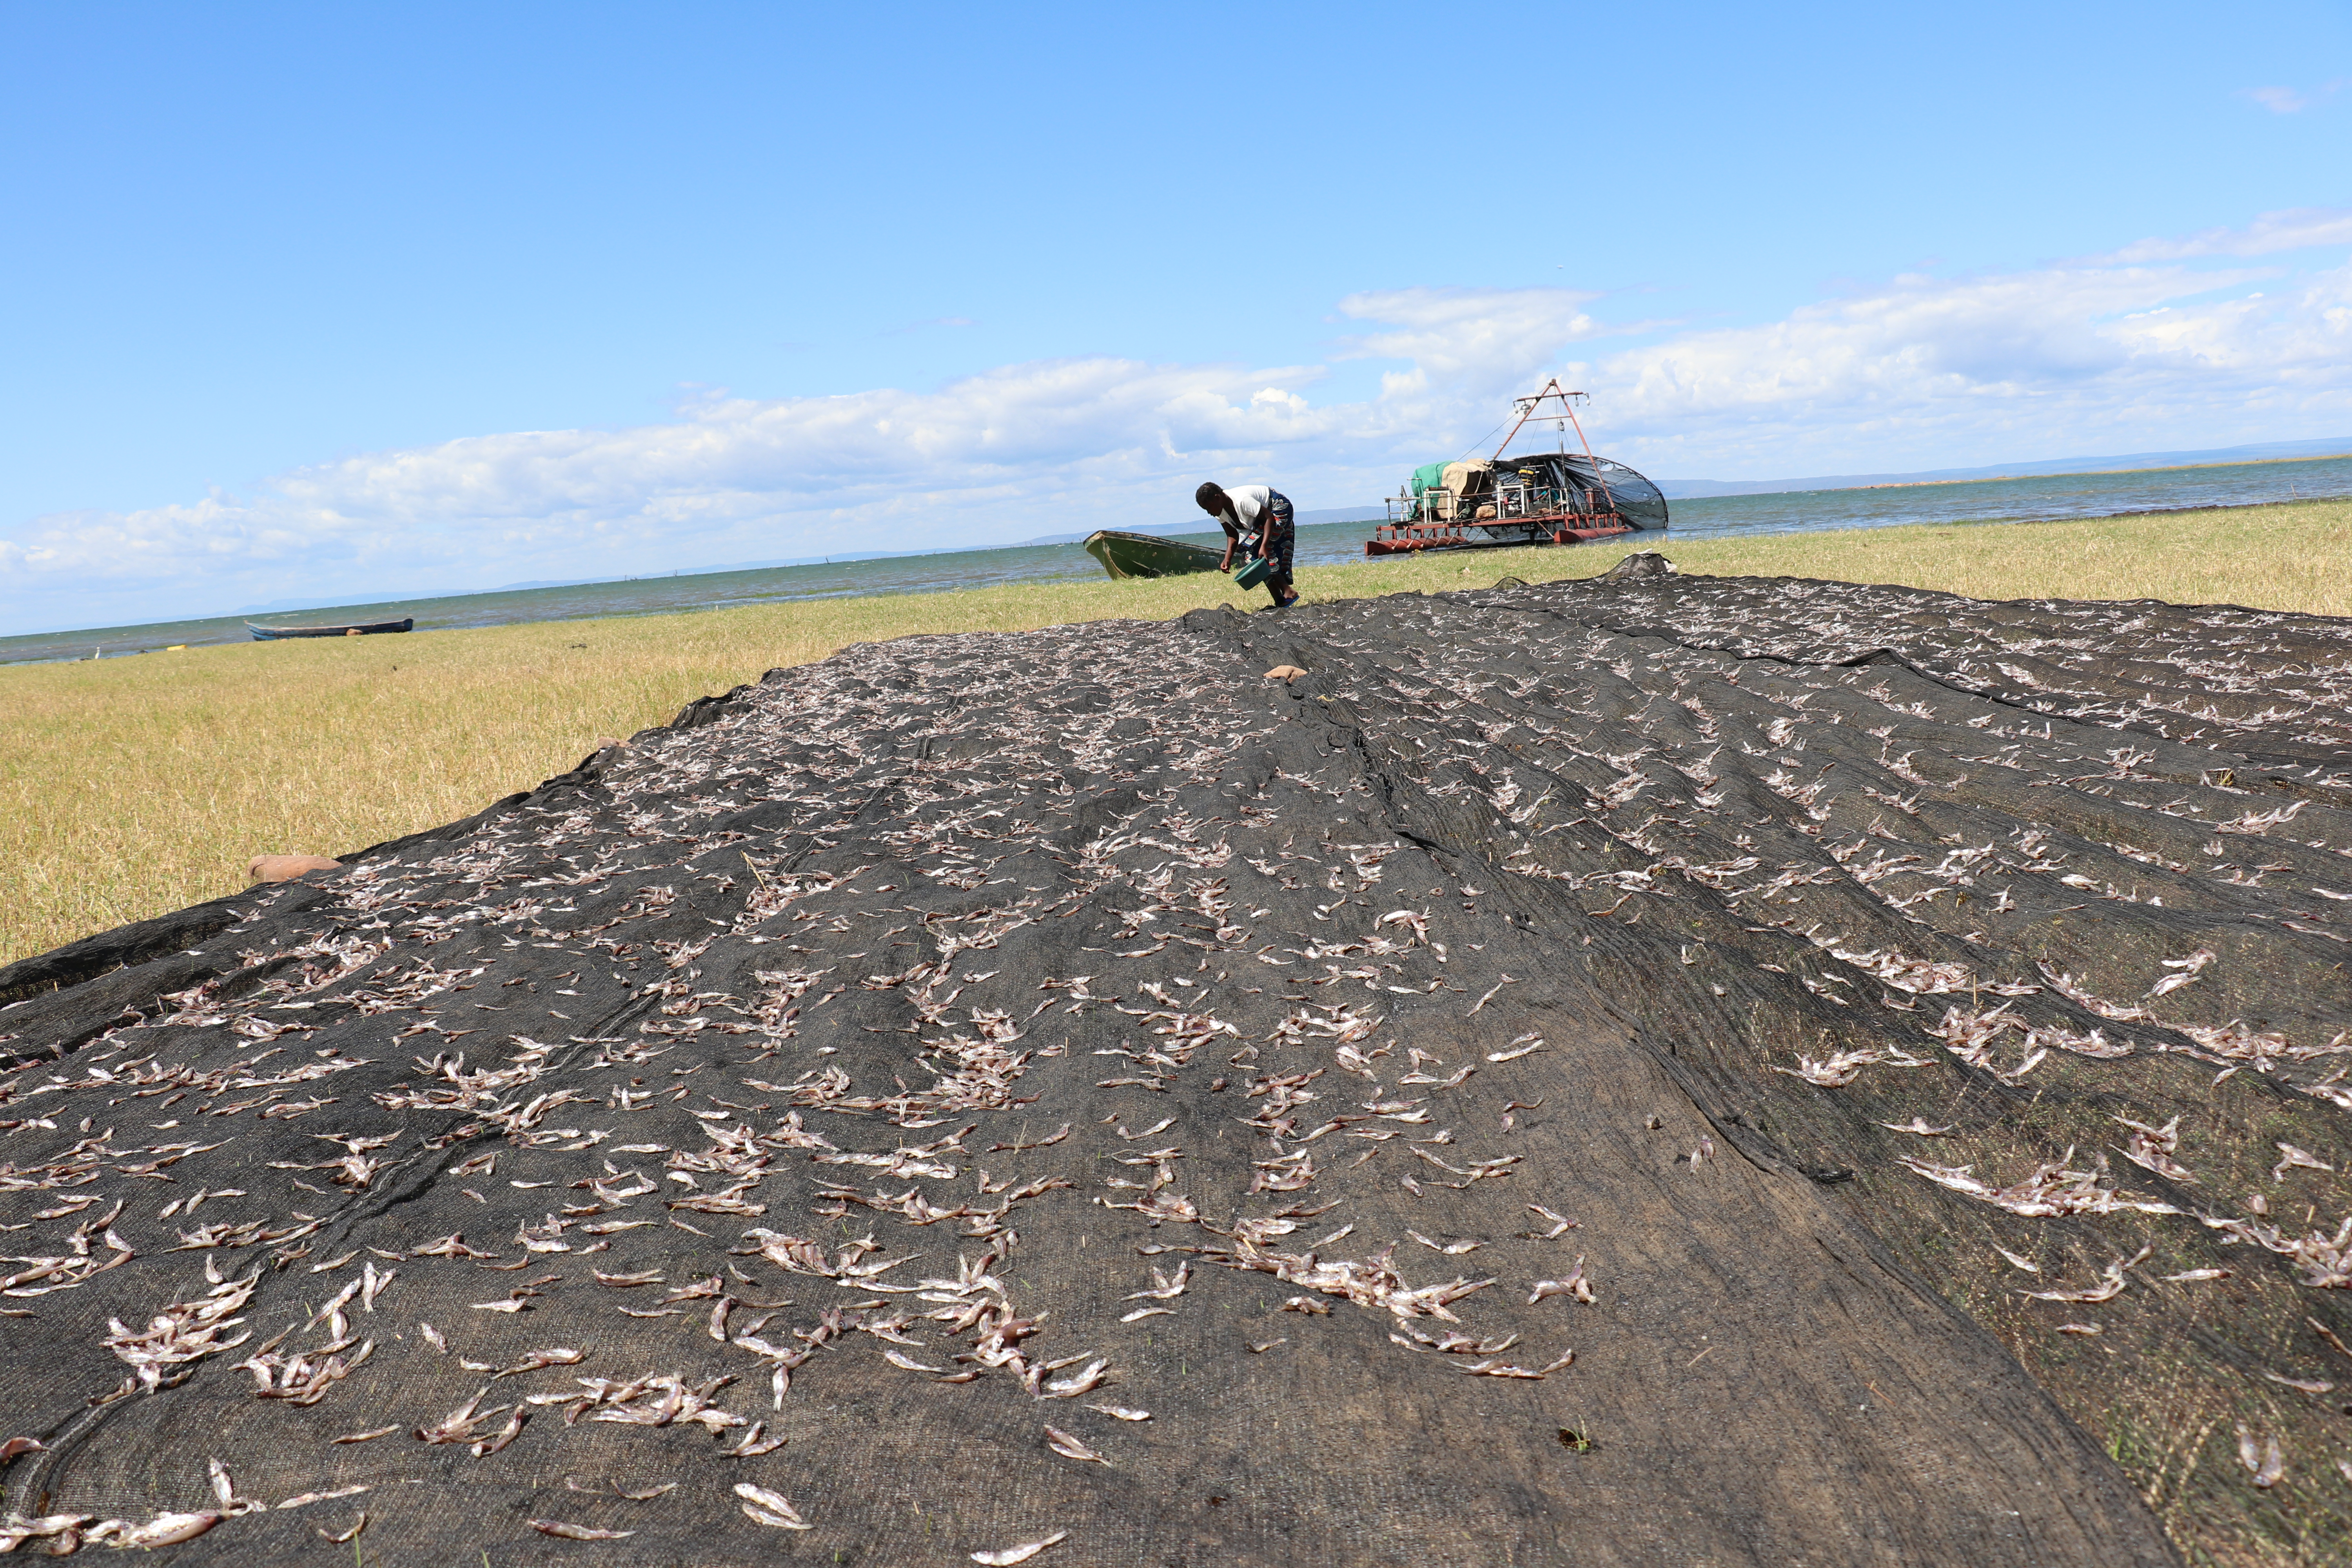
(131,787)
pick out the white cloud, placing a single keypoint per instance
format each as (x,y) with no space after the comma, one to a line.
(2134,352)
(1476,337)
(1024,449)
(2297,228)
(2053,363)
(2291,101)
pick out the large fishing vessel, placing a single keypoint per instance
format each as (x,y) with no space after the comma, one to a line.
(1533,498)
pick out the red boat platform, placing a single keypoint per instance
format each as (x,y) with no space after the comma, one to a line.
(1411,538)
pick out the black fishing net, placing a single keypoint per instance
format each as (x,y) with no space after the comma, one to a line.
(1583,484)
(1663,1071)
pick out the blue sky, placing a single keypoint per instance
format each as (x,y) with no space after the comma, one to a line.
(328,298)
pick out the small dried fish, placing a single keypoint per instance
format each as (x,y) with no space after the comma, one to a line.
(505,1435)
(533,1360)
(1451,1248)
(1070,1447)
(753,1446)
(457,1427)
(2111,1284)
(2294,1159)
(2302,1385)
(1084,1381)
(305,1500)
(368,1436)
(625,1281)
(1008,1556)
(1120,1413)
(372,1284)
(339,1537)
(764,1507)
(334,1306)
(1572,1283)
(1500,1369)
(578,1532)
(2265,1460)
(225,1489)
(1165,1287)
(167,1530)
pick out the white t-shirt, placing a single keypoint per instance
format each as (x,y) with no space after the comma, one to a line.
(1247,505)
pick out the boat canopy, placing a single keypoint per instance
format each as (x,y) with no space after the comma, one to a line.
(1589,484)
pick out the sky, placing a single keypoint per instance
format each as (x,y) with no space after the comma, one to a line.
(305,300)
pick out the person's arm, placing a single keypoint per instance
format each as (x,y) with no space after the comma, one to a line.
(1241,525)
(1232,538)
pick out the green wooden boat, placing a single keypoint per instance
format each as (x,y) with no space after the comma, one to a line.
(1126,554)
(340,629)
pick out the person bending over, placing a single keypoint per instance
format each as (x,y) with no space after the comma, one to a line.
(1257,521)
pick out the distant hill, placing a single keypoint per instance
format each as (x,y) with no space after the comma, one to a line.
(1686,490)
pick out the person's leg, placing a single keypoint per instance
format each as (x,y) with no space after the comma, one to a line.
(1281,548)
(1281,540)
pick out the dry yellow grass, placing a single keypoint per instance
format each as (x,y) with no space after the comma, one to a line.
(132,787)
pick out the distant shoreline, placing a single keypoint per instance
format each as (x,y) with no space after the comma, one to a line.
(2202,486)
(2079,473)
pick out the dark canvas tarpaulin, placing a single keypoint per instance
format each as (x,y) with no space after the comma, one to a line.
(1650,1072)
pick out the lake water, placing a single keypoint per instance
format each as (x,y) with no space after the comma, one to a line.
(1319,545)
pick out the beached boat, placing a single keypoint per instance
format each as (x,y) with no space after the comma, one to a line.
(363,629)
(1149,556)
(1539,498)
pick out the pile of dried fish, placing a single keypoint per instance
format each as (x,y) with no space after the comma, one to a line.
(1666,1070)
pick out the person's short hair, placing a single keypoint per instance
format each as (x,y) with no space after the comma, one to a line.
(1211,497)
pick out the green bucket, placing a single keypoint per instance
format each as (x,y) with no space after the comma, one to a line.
(1254,573)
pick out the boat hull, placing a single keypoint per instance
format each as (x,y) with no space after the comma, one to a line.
(1412,538)
(1124,554)
(363,628)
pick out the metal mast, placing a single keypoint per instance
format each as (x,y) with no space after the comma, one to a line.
(1552,392)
